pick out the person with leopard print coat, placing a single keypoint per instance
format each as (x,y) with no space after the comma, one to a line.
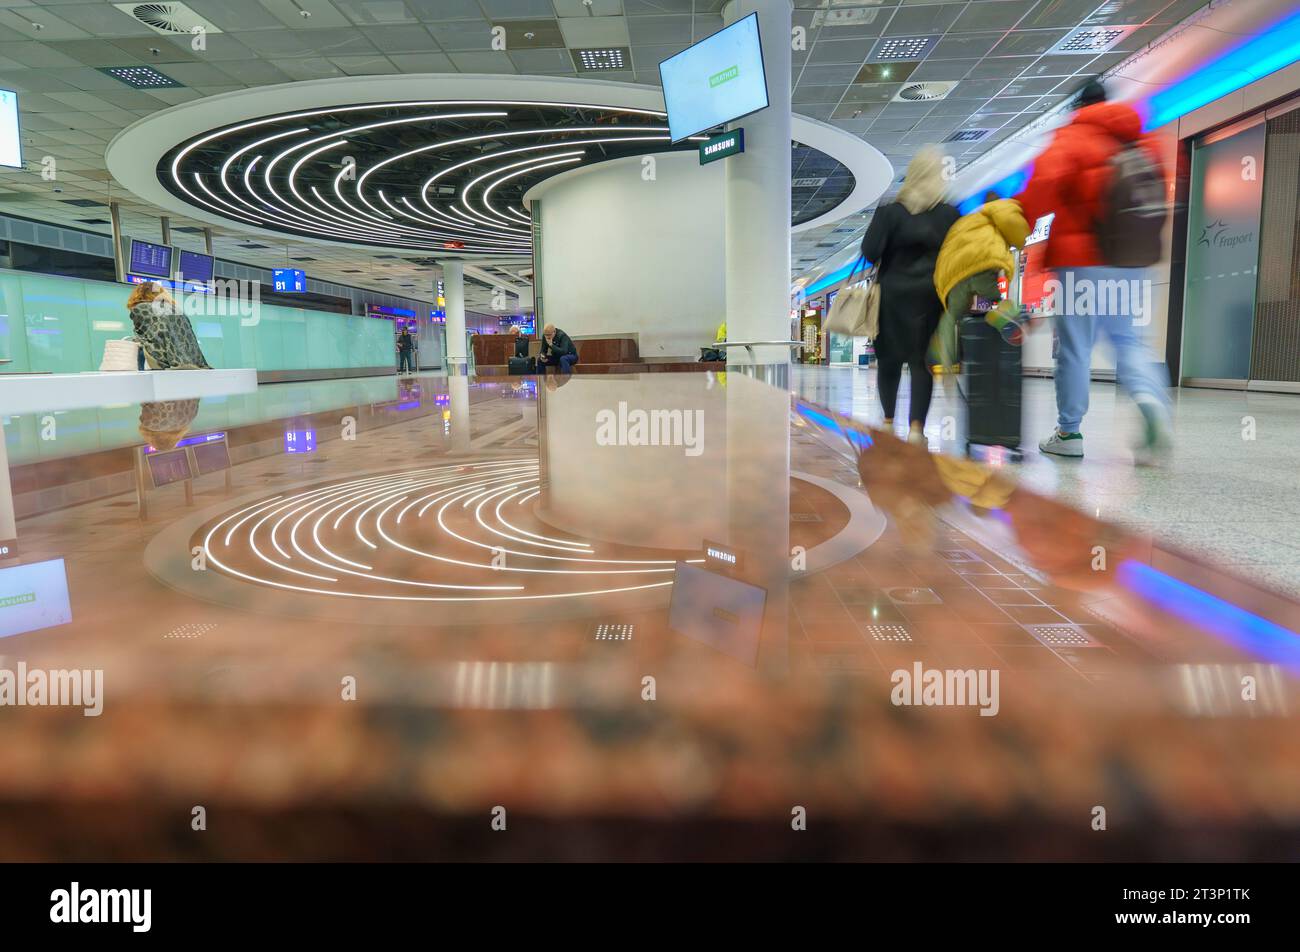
(166,337)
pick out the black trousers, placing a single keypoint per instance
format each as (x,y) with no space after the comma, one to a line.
(889,373)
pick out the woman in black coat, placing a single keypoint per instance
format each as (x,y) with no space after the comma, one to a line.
(903,242)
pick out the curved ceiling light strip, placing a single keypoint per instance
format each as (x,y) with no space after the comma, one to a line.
(487,192)
(428,175)
(262,192)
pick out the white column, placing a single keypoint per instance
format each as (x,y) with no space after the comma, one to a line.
(758,200)
(458,390)
(453,286)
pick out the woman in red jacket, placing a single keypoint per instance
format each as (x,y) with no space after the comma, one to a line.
(1071,180)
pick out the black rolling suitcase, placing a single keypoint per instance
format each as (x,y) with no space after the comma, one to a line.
(521,366)
(991,381)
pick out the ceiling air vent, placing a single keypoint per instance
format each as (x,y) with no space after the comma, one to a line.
(968,135)
(169,19)
(1091,40)
(924,92)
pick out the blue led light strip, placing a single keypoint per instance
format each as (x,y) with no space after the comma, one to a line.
(1265,52)
(1249,632)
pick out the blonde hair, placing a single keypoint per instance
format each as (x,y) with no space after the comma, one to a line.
(924,186)
(148,291)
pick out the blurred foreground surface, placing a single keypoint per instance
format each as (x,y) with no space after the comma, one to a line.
(362,649)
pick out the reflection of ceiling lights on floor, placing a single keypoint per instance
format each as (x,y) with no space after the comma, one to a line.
(458,533)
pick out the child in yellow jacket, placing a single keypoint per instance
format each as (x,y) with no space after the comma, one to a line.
(977,248)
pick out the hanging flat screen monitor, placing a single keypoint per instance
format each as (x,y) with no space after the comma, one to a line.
(716,80)
(11,149)
(195,268)
(150,260)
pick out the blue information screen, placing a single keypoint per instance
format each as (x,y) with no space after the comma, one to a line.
(716,80)
(150,260)
(196,267)
(290,280)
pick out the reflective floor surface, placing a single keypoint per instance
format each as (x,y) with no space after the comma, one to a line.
(643,617)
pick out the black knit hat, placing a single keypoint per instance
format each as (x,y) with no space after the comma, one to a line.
(1091,93)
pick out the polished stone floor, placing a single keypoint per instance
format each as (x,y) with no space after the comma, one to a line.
(458,597)
(1229,493)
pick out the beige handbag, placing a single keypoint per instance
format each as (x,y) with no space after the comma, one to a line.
(121,354)
(856,311)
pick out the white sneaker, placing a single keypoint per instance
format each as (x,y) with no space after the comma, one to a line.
(917,438)
(1063,444)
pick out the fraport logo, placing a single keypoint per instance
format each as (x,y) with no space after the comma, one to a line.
(726,76)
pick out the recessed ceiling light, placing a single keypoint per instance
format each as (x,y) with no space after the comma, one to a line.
(611,57)
(1091,39)
(902,47)
(968,135)
(140,77)
(892,71)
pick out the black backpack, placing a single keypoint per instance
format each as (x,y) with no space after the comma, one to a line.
(1133,210)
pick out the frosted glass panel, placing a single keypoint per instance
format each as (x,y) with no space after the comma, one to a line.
(13,329)
(59,325)
(1222,256)
(58,338)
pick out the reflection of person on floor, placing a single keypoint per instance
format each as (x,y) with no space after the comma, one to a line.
(908,482)
(405,345)
(163,423)
(165,335)
(558,350)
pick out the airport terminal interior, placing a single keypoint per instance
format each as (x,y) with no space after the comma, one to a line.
(497,430)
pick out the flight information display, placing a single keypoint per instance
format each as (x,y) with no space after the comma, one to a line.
(719,79)
(11,147)
(195,267)
(150,260)
(289,280)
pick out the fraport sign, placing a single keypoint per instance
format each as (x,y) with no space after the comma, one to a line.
(722,146)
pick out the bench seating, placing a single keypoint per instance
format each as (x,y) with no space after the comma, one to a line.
(596,355)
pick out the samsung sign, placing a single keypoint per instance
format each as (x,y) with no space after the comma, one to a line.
(722,146)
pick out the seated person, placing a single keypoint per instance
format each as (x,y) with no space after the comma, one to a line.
(710,354)
(521,341)
(166,337)
(558,350)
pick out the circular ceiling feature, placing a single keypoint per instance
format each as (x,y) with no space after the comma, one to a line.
(341,162)
(418,175)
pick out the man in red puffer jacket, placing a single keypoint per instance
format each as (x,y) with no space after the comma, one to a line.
(1073,179)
